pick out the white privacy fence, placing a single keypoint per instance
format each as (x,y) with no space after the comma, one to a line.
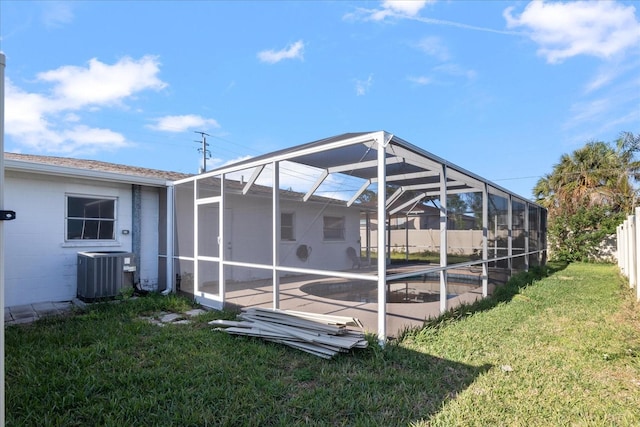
(628,237)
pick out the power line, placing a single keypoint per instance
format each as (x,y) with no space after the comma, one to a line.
(576,173)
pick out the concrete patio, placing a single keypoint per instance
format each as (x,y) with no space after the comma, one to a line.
(400,315)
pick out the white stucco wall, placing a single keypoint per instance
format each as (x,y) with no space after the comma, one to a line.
(248,235)
(40,265)
(325,254)
(249,224)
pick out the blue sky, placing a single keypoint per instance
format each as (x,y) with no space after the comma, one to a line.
(501,88)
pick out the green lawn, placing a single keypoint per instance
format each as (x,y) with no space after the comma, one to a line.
(563,350)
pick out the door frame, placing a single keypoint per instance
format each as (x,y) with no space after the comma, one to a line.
(205,298)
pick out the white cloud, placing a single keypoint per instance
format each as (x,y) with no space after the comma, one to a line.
(24,112)
(231,85)
(293,51)
(449,69)
(183,123)
(433,46)
(84,136)
(610,105)
(611,71)
(410,9)
(398,8)
(603,78)
(363,86)
(455,70)
(407,7)
(55,14)
(52,122)
(563,30)
(587,112)
(71,117)
(421,80)
(103,84)
(32,121)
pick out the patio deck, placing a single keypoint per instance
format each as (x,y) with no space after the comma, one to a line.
(400,315)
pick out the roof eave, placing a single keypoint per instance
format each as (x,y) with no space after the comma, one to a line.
(96,175)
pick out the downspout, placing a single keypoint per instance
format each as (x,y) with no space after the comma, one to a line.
(170,235)
(136,229)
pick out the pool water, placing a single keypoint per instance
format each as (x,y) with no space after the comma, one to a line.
(367,292)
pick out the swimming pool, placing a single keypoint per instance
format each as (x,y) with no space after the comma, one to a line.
(419,289)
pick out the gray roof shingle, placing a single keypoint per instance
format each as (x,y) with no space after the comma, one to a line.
(97,165)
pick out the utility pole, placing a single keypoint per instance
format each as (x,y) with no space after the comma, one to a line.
(206,154)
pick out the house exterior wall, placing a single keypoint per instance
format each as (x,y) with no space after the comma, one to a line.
(248,230)
(325,254)
(39,264)
(148,262)
(248,236)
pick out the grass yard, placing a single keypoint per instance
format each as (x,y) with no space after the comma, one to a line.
(562,350)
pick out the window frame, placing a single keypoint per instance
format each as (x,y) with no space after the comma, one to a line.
(292,227)
(113,220)
(340,236)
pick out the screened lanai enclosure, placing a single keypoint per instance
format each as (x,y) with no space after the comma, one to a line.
(363,225)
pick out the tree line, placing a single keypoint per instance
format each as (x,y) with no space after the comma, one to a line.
(588,193)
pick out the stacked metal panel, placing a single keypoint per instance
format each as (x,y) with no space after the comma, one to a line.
(321,335)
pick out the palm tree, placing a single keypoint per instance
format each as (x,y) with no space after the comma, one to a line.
(594,175)
(587,194)
(627,146)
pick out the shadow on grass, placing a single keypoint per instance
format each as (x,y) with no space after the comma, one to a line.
(502,294)
(108,366)
(397,386)
(385,387)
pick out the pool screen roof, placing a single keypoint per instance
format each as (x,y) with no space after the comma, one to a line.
(413,172)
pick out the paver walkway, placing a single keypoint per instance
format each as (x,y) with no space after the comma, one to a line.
(31,312)
(28,313)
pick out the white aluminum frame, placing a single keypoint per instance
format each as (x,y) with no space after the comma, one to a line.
(391,152)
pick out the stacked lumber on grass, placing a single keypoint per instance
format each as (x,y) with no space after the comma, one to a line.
(318,334)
